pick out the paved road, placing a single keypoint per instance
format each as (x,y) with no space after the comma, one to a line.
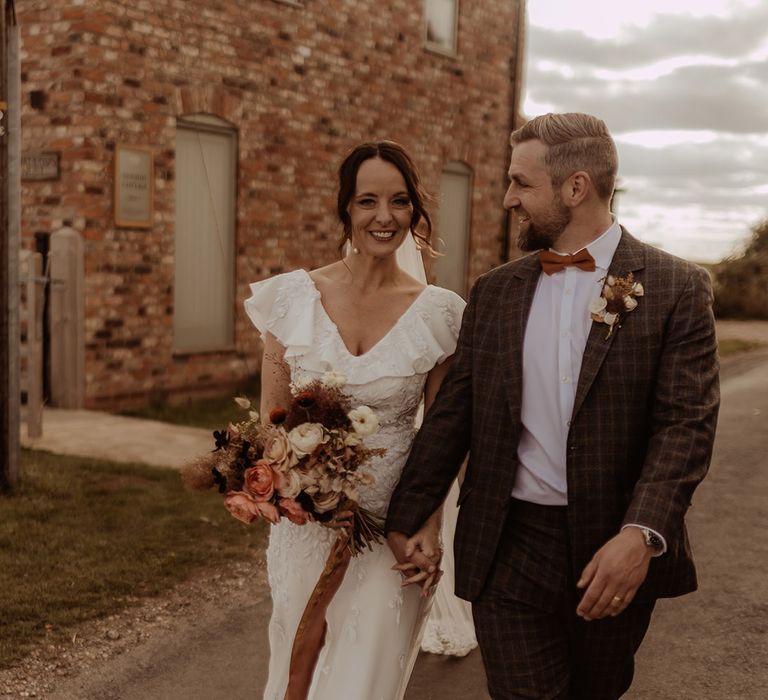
(713,644)
(707,646)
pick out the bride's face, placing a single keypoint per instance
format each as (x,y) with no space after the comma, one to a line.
(380,210)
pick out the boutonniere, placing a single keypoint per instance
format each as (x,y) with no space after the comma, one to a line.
(619,297)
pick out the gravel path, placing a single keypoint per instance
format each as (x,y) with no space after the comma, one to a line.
(209,632)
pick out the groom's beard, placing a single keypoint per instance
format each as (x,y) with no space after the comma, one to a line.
(544,232)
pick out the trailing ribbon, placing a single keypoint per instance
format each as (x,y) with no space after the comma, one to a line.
(310,634)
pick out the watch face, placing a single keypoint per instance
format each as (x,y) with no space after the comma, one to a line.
(652,539)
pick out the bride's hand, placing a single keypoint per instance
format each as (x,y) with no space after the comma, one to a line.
(426,578)
(416,568)
(426,543)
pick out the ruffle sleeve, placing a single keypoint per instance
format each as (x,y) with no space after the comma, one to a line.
(441,315)
(285,306)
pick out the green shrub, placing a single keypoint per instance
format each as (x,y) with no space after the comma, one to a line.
(741,283)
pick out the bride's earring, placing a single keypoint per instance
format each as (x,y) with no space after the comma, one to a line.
(356,251)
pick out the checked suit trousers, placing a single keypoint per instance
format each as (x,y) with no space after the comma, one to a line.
(533,644)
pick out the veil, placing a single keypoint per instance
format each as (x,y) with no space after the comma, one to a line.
(409,258)
(449,628)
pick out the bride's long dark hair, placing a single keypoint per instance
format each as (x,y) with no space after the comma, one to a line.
(421,222)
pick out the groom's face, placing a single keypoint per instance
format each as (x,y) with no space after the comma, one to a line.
(540,211)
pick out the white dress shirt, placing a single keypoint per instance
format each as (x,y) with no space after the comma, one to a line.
(555,337)
(553,347)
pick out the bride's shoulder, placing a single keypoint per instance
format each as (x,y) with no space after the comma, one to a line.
(282,304)
(296,279)
(279,291)
(446,298)
(443,310)
(328,275)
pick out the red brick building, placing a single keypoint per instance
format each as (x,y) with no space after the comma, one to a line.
(236,116)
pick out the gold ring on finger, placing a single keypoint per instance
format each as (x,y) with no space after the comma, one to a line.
(616,600)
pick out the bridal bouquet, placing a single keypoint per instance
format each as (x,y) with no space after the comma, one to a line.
(303,464)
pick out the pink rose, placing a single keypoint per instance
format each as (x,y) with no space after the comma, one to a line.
(269,512)
(245,508)
(292,510)
(260,481)
(241,506)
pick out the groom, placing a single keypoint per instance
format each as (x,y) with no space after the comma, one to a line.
(585,389)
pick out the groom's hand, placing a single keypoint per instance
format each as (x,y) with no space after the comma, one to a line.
(613,576)
(414,566)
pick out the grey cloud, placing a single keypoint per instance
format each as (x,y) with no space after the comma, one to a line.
(720,178)
(733,162)
(658,192)
(693,97)
(666,36)
(695,232)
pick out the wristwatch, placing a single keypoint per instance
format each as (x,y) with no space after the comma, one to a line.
(652,540)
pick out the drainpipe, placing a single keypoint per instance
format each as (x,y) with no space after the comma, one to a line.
(516,80)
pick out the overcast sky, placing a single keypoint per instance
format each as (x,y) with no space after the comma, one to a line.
(683,87)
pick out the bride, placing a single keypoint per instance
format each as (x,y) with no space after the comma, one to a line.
(392,336)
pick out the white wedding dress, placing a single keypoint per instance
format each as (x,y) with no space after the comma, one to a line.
(374,625)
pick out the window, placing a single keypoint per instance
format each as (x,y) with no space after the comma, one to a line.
(441,25)
(204,239)
(454,227)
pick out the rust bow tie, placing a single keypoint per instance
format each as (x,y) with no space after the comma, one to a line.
(552,262)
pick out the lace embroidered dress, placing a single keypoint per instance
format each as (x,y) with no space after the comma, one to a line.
(373,624)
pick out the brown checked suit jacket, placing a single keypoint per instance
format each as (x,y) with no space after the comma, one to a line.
(641,432)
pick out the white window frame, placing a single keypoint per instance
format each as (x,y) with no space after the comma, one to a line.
(437,47)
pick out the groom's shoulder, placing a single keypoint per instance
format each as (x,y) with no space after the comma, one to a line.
(658,261)
(501,274)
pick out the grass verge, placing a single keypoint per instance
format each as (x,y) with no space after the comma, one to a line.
(734,346)
(211,413)
(82,538)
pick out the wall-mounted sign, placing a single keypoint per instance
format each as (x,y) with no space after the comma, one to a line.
(134,186)
(40,166)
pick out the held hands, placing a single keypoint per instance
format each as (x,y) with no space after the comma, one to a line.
(613,576)
(418,558)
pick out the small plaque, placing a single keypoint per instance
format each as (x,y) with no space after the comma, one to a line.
(40,166)
(134,186)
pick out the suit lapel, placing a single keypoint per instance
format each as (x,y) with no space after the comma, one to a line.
(518,297)
(629,257)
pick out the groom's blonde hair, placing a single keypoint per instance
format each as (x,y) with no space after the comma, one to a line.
(576,141)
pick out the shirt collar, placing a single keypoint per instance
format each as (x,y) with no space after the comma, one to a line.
(603,248)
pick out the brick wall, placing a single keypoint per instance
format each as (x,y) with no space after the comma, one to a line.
(301,85)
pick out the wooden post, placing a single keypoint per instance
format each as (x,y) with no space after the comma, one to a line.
(10,134)
(31,349)
(67,300)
